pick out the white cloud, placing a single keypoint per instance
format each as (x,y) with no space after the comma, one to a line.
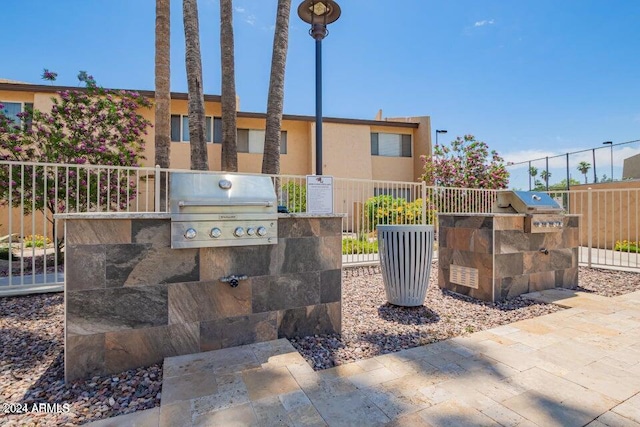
(484,22)
(251,20)
(240,9)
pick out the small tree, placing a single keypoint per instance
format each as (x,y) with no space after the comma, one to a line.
(584,167)
(545,174)
(91,126)
(467,163)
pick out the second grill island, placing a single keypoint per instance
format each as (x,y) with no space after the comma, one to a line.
(527,244)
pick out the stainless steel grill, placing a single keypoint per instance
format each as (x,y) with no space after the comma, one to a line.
(543,214)
(213,210)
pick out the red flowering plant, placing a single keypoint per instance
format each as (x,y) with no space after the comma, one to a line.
(91,126)
(467,163)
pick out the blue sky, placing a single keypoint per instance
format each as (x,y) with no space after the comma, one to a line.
(531,78)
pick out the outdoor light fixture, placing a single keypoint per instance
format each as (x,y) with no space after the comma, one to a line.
(611,144)
(319,13)
(438,131)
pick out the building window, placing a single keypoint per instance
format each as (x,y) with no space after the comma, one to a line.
(12,109)
(390,145)
(252,141)
(180,128)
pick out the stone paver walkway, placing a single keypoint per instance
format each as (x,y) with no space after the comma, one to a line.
(576,367)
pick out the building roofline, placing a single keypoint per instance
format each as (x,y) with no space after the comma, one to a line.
(22,87)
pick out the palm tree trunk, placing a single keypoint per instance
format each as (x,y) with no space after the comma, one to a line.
(271,157)
(229,129)
(193,63)
(162,94)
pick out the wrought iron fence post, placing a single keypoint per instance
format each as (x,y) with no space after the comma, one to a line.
(589,224)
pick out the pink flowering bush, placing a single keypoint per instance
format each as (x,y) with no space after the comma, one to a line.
(467,163)
(92,126)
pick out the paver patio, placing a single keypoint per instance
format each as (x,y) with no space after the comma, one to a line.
(576,367)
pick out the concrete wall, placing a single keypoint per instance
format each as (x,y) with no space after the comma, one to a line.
(131,300)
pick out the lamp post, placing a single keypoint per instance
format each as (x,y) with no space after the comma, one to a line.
(611,144)
(319,13)
(438,131)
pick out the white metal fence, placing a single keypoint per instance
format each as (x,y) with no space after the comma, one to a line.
(31,246)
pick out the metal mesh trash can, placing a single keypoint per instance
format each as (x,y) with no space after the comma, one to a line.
(405,252)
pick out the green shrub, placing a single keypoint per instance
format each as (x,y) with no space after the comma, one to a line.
(295,196)
(36,240)
(626,246)
(4,252)
(351,245)
(389,210)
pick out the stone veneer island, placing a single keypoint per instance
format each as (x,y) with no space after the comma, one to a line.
(131,300)
(507,260)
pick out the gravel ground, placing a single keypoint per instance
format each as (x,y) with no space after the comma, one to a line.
(31,343)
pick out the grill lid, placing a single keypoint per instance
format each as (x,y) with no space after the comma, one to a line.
(525,202)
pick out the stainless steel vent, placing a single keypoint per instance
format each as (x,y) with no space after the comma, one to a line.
(213,210)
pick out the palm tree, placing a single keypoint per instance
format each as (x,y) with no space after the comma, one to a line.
(271,157)
(162,94)
(584,167)
(193,63)
(229,130)
(545,174)
(533,171)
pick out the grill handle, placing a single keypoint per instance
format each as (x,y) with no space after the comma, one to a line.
(185,203)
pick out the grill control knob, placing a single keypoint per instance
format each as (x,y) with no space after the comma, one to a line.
(262,231)
(190,233)
(215,232)
(251,231)
(238,232)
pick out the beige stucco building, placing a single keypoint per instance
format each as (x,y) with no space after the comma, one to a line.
(388,149)
(383,149)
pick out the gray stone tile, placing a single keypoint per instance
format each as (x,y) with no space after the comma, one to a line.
(96,232)
(107,310)
(330,286)
(142,347)
(260,260)
(235,331)
(300,227)
(202,301)
(271,293)
(146,264)
(156,232)
(84,356)
(85,267)
(307,254)
(316,319)
(616,383)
